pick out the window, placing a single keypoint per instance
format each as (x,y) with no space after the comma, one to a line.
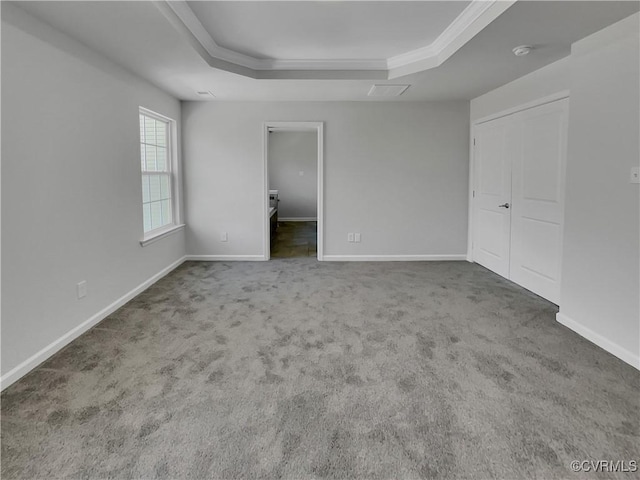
(156,158)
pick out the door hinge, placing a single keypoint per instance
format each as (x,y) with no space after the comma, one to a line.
(474,194)
(474,141)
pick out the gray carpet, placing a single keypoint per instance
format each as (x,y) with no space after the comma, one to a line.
(298,369)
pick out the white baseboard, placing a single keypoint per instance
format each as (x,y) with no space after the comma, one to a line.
(623,354)
(226,258)
(393,258)
(297,219)
(32,362)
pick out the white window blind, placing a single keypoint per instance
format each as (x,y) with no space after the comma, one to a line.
(155,155)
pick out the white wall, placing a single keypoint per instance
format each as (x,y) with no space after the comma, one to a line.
(71,191)
(395,172)
(553,78)
(291,153)
(601,255)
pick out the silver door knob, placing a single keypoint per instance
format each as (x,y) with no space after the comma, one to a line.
(504,205)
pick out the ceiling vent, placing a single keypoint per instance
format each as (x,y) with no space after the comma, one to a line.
(387,90)
(206,94)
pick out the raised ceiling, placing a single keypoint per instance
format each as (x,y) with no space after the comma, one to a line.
(140,38)
(379,39)
(325,30)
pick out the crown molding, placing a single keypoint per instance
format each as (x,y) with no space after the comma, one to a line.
(476,16)
(341,64)
(472,20)
(182,10)
(467,17)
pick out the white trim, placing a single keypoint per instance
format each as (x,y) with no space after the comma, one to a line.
(623,354)
(175,176)
(293,126)
(158,116)
(394,258)
(494,116)
(325,64)
(297,127)
(193,24)
(297,219)
(290,127)
(32,362)
(225,258)
(474,18)
(320,204)
(266,224)
(525,106)
(161,233)
(472,136)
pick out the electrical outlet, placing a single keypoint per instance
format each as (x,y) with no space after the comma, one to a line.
(635,175)
(224,237)
(356,238)
(82,289)
(350,237)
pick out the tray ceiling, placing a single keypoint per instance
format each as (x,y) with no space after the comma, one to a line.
(143,39)
(325,30)
(320,40)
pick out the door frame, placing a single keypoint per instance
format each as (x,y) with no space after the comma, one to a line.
(317,127)
(472,151)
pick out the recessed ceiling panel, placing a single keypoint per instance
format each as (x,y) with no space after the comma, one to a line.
(325,30)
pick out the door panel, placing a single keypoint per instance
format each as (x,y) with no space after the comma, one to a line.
(539,252)
(491,240)
(492,223)
(538,166)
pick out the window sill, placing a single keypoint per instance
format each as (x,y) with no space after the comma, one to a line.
(165,232)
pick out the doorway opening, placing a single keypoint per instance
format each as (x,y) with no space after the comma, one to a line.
(293,190)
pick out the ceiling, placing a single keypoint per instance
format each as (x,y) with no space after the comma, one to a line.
(325,30)
(329,39)
(149,39)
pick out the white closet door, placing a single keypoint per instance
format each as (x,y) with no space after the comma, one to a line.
(492,220)
(538,171)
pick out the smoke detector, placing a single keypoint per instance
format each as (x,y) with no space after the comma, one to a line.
(522,50)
